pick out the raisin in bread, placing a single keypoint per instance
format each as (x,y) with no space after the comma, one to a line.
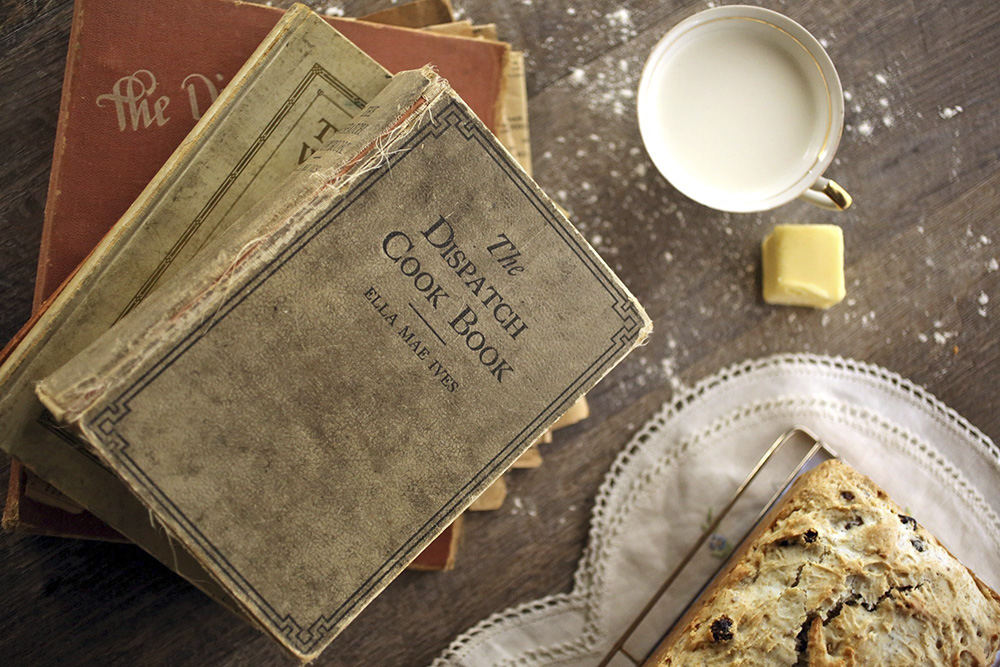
(837,574)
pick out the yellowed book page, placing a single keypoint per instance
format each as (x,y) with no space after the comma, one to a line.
(465,28)
(454,28)
(416,14)
(492,498)
(486,31)
(530,459)
(513,128)
(577,413)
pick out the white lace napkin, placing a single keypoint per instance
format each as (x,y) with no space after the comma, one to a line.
(691,456)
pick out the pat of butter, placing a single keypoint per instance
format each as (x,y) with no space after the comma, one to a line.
(804,265)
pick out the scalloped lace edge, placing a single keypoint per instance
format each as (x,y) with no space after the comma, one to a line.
(590,573)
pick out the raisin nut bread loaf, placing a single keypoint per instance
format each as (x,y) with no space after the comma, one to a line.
(837,574)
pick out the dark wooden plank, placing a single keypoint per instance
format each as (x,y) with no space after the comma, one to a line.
(921,242)
(33,39)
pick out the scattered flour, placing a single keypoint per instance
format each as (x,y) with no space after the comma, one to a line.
(992,265)
(611,83)
(873,102)
(334,10)
(669,368)
(942,337)
(950,112)
(620,17)
(519,506)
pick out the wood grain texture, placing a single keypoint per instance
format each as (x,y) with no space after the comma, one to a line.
(920,242)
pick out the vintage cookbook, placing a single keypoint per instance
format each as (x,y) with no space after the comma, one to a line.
(53,513)
(34,506)
(134,88)
(361,354)
(303,82)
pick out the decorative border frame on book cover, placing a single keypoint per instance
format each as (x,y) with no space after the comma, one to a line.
(306,635)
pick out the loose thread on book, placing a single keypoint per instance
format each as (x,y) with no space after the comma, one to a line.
(248,248)
(372,157)
(156,524)
(379,151)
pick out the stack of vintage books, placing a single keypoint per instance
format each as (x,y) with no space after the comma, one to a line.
(294,313)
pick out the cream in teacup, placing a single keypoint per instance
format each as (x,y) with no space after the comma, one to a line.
(741,111)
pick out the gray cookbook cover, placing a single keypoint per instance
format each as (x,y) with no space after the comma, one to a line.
(352,362)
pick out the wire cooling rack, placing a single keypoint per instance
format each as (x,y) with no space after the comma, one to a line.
(816,451)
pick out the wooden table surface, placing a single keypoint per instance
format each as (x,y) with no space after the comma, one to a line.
(919,153)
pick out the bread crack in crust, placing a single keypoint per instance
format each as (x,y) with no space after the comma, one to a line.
(837,574)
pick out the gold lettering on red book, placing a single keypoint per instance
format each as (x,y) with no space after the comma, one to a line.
(131,96)
(191,85)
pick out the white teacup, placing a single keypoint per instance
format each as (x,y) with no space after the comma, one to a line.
(741,109)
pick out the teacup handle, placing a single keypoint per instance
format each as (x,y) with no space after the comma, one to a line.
(827,194)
